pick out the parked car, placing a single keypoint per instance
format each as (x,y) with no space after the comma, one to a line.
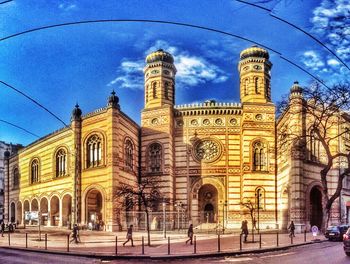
(336,232)
(346,242)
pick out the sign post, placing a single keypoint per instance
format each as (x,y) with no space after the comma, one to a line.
(314,230)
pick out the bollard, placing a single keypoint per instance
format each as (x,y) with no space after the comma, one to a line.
(116,245)
(68,243)
(168,245)
(143,246)
(260,240)
(26,240)
(291,239)
(304,235)
(195,246)
(9,237)
(240,242)
(253,235)
(45,241)
(277,239)
(219,243)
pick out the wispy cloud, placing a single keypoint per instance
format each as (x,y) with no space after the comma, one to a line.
(312,60)
(67,6)
(192,70)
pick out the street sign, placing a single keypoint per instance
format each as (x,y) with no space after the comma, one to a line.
(314,230)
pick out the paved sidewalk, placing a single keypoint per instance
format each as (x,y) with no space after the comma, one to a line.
(103,244)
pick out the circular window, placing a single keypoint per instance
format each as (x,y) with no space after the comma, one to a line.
(166,72)
(218,121)
(155,121)
(180,123)
(258,117)
(233,121)
(206,122)
(194,122)
(207,150)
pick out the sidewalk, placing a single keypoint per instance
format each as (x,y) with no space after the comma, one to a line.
(103,244)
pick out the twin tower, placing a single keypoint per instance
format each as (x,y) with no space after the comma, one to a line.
(254,68)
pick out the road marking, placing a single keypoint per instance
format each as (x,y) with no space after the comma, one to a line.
(278,255)
(227,259)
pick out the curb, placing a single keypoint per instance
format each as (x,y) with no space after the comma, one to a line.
(165,257)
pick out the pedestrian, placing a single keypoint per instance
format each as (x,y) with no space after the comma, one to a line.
(2,228)
(129,236)
(254,223)
(244,228)
(291,229)
(190,234)
(10,227)
(75,234)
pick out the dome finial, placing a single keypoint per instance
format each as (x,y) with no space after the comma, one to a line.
(160,55)
(76,113)
(113,100)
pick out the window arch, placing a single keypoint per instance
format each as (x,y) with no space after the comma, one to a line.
(260,197)
(61,163)
(15,180)
(259,156)
(166,90)
(34,171)
(129,154)
(147,93)
(256,85)
(154,89)
(155,157)
(94,151)
(314,147)
(246,81)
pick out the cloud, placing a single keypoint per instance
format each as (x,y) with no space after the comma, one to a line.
(192,70)
(66,6)
(312,60)
(331,21)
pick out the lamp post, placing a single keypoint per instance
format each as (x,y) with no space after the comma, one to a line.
(178,206)
(258,196)
(164,221)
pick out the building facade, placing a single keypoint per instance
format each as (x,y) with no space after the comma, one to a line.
(210,158)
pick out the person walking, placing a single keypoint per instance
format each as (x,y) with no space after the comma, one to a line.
(291,229)
(190,234)
(129,236)
(75,234)
(2,228)
(244,228)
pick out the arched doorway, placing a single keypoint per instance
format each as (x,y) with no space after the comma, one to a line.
(316,207)
(19,213)
(26,209)
(44,209)
(94,212)
(66,210)
(208,204)
(13,213)
(55,211)
(284,210)
(34,208)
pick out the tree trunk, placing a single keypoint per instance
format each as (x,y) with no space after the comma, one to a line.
(325,218)
(148,229)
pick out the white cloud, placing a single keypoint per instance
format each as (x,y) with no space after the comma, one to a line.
(312,60)
(65,6)
(191,70)
(333,62)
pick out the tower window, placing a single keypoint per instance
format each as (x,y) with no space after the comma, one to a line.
(146,93)
(15,182)
(314,147)
(154,89)
(129,154)
(155,157)
(256,85)
(166,90)
(61,163)
(34,172)
(267,89)
(246,86)
(94,151)
(259,156)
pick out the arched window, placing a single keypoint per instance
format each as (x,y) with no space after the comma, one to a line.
(61,163)
(173,89)
(246,86)
(259,156)
(267,89)
(34,172)
(256,85)
(260,198)
(15,182)
(166,90)
(94,151)
(154,89)
(155,157)
(129,154)
(314,147)
(146,93)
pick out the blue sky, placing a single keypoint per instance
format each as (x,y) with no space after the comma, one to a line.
(61,66)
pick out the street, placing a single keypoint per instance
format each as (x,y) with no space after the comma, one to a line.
(322,253)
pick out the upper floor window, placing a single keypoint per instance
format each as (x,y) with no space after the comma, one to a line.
(147,93)
(259,156)
(246,81)
(314,147)
(256,85)
(260,197)
(61,163)
(94,151)
(129,154)
(155,157)
(15,182)
(34,172)
(154,89)
(166,90)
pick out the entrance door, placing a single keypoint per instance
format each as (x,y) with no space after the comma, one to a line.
(208,203)
(316,207)
(209,213)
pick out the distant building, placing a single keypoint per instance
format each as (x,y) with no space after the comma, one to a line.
(210,158)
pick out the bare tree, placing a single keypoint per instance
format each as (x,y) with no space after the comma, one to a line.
(251,207)
(325,115)
(144,194)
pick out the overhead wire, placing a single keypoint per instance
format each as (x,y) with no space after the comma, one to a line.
(14,125)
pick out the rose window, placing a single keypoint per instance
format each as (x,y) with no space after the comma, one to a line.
(207,150)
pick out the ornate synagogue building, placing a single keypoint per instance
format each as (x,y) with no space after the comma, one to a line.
(210,158)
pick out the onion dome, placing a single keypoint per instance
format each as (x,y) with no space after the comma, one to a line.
(296,88)
(76,113)
(160,56)
(113,100)
(254,51)
(7,154)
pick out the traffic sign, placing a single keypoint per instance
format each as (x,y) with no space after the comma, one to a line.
(314,230)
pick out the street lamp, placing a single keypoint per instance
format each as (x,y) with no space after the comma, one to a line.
(178,206)
(258,197)
(224,206)
(164,222)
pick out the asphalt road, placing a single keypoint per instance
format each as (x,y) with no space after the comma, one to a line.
(322,253)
